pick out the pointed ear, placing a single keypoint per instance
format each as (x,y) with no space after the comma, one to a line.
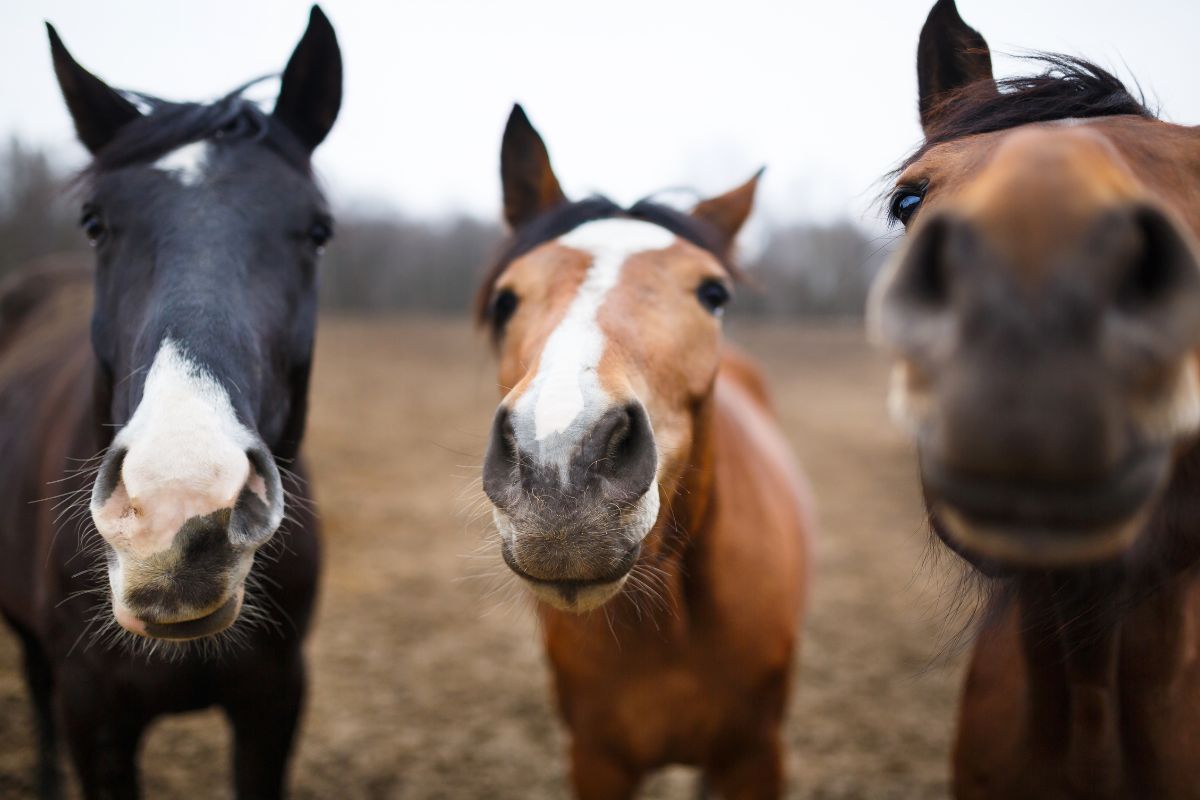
(726,213)
(950,55)
(98,111)
(530,186)
(310,94)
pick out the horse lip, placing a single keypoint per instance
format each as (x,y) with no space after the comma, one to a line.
(199,627)
(622,569)
(1046,525)
(1041,548)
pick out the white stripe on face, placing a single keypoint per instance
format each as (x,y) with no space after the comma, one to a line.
(186,164)
(565,398)
(185,456)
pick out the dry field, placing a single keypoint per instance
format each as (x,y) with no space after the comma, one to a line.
(427,684)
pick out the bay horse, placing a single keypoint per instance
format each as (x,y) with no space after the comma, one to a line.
(1044,317)
(182,407)
(640,485)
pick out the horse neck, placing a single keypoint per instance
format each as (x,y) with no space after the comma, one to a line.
(1096,643)
(1097,674)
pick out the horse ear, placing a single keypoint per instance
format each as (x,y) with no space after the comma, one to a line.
(530,186)
(310,94)
(726,213)
(950,55)
(97,110)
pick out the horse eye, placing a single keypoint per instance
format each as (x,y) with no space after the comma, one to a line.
(714,296)
(504,305)
(93,225)
(320,233)
(905,202)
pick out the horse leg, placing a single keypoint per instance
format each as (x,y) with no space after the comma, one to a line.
(102,734)
(265,715)
(752,773)
(39,676)
(598,775)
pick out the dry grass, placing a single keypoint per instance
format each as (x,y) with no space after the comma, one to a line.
(426,684)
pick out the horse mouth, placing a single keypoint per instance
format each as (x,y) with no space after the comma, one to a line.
(208,624)
(1040,525)
(576,595)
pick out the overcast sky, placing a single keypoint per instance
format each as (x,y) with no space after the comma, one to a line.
(631,95)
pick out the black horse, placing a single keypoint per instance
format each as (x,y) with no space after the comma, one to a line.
(166,436)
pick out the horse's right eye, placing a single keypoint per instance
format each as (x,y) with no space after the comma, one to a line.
(93,225)
(504,305)
(905,202)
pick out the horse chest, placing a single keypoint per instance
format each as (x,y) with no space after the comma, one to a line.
(1034,727)
(659,704)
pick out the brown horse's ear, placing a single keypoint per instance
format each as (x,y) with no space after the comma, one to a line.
(530,186)
(97,110)
(950,55)
(726,213)
(310,94)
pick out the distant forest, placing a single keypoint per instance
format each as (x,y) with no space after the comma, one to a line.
(381,263)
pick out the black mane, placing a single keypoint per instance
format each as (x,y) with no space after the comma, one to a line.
(169,125)
(1068,87)
(567,217)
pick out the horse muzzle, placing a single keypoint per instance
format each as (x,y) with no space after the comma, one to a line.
(1045,525)
(193,589)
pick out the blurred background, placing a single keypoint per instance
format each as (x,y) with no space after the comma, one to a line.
(427,673)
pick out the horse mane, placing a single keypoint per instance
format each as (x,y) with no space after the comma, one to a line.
(166,125)
(1067,88)
(566,217)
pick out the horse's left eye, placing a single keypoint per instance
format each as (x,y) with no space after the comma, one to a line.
(320,232)
(714,296)
(503,306)
(93,225)
(905,202)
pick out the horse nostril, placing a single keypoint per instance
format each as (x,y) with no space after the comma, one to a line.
(1157,261)
(261,471)
(922,281)
(109,476)
(623,453)
(501,465)
(909,304)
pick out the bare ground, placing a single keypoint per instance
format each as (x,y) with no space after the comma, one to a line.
(429,684)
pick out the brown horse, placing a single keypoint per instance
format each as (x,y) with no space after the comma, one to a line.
(163,577)
(640,485)
(1045,319)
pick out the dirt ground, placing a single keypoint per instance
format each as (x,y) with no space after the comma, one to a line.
(428,683)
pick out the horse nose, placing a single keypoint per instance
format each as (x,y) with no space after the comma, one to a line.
(614,460)
(1027,367)
(1132,265)
(147,494)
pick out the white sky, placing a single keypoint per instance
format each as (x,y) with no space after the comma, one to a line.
(632,96)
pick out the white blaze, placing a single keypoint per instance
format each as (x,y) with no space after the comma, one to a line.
(185,163)
(566,379)
(185,456)
(565,399)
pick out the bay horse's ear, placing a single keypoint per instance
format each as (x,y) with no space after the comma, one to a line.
(97,110)
(310,94)
(950,55)
(530,186)
(726,213)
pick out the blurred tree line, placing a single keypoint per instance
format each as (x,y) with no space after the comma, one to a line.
(388,263)
(36,212)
